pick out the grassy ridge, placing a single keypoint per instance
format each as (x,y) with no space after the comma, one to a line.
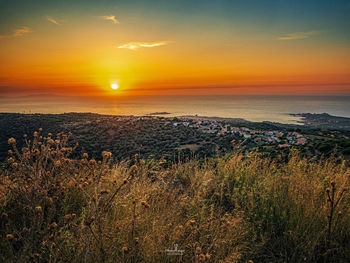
(230,209)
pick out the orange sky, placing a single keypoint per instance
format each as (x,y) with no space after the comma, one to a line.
(68,53)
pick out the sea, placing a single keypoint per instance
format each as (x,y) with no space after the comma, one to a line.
(249,107)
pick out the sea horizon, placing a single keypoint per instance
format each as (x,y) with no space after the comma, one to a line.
(274,108)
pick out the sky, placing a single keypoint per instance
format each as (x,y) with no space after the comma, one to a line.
(182,47)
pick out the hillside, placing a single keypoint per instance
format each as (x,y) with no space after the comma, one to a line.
(235,208)
(175,139)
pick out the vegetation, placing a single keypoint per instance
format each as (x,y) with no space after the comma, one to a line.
(236,208)
(158,137)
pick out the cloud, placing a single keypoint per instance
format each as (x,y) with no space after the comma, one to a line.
(298,35)
(21,31)
(53,20)
(110,18)
(136,45)
(18,32)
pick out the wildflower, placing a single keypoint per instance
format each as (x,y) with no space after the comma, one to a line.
(39,209)
(58,163)
(10,152)
(10,160)
(50,134)
(35,134)
(85,155)
(14,165)
(207,256)
(11,140)
(40,129)
(54,225)
(57,141)
(25,135)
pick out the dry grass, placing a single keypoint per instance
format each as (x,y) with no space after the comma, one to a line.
(231,209)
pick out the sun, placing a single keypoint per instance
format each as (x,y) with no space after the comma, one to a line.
(114,86)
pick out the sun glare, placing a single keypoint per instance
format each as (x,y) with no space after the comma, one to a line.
(115,86)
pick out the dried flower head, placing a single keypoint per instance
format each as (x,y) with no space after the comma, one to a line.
(11,140)
(10,236)
(92,162)
(106,154)
(38,209)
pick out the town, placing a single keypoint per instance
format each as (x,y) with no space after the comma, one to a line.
(260,137)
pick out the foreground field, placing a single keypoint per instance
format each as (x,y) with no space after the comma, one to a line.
(228,209)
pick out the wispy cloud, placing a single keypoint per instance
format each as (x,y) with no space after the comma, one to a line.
(18,32)
(21,31)
(136,45)
(299,35)
(52,20)
(111,18)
